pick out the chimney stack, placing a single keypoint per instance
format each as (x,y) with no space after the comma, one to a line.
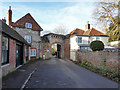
(9,16)
(4,20)
(87,26)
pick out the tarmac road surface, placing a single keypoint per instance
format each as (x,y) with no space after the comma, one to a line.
(59,73)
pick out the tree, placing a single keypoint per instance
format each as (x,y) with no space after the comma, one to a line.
(61,29)
(45,32)
(114,32)
(106,15)
(97,45)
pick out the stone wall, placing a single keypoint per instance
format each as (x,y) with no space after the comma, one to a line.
(45,46)
(58,40)
(35,35)
(100,59)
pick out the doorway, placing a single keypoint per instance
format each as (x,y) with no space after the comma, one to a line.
(19,55)
(56,50)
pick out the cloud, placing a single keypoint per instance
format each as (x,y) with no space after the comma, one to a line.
(73,16)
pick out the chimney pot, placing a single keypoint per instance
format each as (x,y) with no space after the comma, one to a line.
(9,7)
(87,26)
(10,16)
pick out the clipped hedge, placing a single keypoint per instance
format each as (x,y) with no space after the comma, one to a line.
(97,45)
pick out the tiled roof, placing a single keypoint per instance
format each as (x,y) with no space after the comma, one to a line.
(27,19)
(93,32)
(12,33)
(77,32)
(67,36)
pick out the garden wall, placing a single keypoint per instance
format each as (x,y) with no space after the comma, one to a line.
(101,59)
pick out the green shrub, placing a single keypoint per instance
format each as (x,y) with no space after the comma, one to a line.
(84,63)
(97,45)
(53,52)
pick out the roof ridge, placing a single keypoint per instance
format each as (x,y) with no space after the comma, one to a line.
(22,17)
(27,18)
(90,31)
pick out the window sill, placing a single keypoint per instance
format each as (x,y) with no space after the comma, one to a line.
(5,65)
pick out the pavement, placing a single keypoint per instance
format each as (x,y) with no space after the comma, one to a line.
(56,73)
(18,77)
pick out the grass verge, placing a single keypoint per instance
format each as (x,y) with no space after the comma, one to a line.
(115,76)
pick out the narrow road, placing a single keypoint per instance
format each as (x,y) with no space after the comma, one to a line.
(58,73)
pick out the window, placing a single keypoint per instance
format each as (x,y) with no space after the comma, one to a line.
(5,50)
(79,39)
(28,25)
(28,38)
(33,52)
(97,38)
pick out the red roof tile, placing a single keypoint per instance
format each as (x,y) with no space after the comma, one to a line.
(94,32)
(27,19)
(77,32)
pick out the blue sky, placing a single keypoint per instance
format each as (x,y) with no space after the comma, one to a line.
(51,14)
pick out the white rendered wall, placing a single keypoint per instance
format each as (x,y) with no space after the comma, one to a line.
(73,43)
(101,38)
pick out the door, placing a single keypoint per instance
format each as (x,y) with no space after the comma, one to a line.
(19,55)
(27,53)
(59,50)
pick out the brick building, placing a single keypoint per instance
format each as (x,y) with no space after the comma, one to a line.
(13,51)
(67,46)
(30,30)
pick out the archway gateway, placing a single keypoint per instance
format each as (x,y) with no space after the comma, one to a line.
(56,50)
(57,39)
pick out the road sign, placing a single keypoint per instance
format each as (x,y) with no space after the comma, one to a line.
(45,50)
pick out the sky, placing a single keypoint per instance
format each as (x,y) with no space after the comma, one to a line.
(49,15)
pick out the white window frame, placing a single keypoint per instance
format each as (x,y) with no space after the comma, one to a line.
(28,25)
(33,52)
(79,40)
(28,38)
(97,38)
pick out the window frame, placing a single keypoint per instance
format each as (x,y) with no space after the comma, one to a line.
(7,61)
(97,38)
(32,51)
(26,38)
(28,25)
(79,40)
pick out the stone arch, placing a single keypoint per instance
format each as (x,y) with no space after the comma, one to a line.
(52,38)
(59,43)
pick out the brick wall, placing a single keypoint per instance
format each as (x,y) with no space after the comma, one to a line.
(100,58)
(12,58)
(67,49)
(24,53)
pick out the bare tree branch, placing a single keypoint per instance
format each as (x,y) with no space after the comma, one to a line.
(61,29)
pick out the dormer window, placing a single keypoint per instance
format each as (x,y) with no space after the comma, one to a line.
(28,25)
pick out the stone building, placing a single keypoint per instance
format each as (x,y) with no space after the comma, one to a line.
(53,38)
(30,30)
(13,52)
(45,47)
